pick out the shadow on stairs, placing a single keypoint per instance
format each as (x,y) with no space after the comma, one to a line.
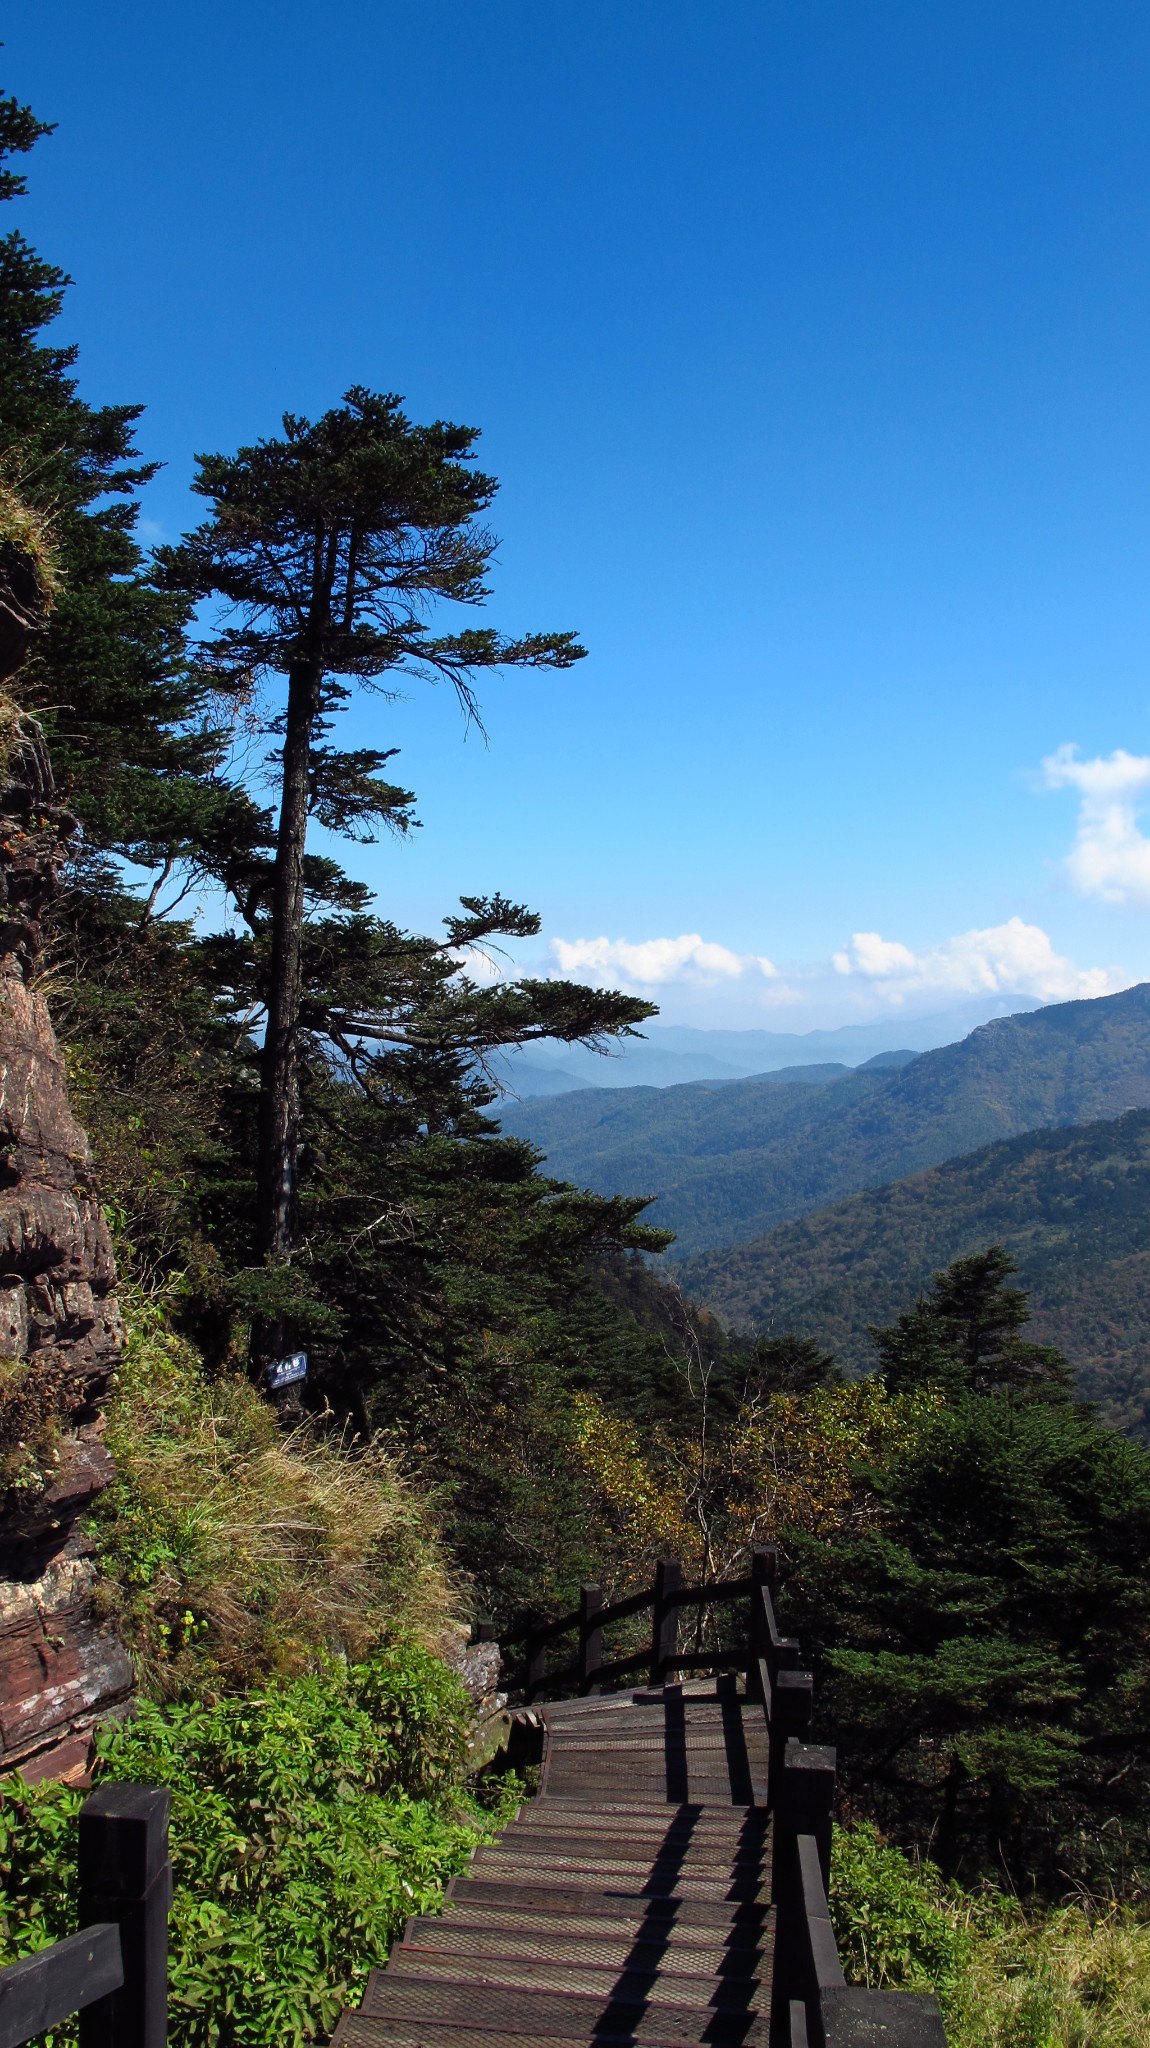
(628,1902)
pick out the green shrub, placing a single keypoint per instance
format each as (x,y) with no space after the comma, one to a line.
(37,1865)
(894,1921)
(308,1820)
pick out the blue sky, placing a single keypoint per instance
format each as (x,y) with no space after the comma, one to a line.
(810,343)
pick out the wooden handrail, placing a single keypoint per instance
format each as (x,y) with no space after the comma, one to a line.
(822,1957)
(42,1990)
(114,1972)
(667,1599)
(718,1593)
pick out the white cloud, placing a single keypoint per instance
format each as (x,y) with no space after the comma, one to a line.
(1111,854)
(875,957)
(1014,958)
(653,962)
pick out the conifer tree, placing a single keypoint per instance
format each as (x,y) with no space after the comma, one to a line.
(965,1334)
(332,545)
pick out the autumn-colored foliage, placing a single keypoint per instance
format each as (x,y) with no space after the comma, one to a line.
(786,1462)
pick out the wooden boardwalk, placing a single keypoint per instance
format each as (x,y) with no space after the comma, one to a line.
(629,1902)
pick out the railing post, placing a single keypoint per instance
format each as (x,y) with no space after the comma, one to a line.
(806,1804)
(764,1565)
(792,1697)
(803,1806)
(665,1618)
(590,1637)
(535,1652)
(798,2036)
(126,1877)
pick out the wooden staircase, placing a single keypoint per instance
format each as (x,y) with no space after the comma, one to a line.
(668,1886)
(629,1902)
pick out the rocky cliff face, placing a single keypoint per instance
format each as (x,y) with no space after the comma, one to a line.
(60,1337)
(60,1332)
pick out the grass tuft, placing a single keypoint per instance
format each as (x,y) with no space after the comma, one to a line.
(232,1550)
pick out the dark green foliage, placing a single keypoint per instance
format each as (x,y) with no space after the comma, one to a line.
(729,1162)
(443,1282)
(393,510)
(964,1336)
(1070,1205)
(788,1365)
(308,1821)
(982,1642)
(329,548)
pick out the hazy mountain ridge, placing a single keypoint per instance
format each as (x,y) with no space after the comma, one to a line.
(667,1055)
(1071,1205)
(729,1163)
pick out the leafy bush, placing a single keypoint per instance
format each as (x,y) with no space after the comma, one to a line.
(37,1865)
(894,1922)
(308,1820)
(232,1551)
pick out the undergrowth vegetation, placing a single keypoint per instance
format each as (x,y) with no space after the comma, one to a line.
(309,1818)
(1075,1975)
(232,1550)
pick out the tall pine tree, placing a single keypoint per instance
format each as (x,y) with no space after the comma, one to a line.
(332,545)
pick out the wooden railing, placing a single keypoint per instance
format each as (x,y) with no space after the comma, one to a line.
(114,1972)
(668,1598)
(812,2006)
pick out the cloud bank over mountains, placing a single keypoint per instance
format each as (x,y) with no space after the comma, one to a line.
(653,962)
(1004,959)
(869,976)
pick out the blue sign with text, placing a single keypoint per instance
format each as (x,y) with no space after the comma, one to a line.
(284,1371)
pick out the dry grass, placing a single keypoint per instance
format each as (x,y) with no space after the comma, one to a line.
(1075,1977)
(27,529)
(232,1549)
(1006,1975)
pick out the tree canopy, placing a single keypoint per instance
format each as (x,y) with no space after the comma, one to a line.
(965,1334)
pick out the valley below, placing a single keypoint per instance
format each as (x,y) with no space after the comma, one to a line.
(820,1200)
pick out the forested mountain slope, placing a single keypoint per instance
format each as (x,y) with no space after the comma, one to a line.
(730,1162)
(1072,1206)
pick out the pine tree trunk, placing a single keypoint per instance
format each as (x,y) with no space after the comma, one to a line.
(279,1079)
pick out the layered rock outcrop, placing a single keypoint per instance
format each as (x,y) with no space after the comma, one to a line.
(60,1330)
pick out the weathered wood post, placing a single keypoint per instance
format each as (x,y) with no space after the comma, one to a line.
(804,1805)
(764,1564)
(535,1651)
(590,1637)
(665,1618)
(798,2036)
(126,1878)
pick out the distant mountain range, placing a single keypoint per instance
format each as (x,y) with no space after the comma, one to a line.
(729,1163)
(1073,1207)
(669,1054)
